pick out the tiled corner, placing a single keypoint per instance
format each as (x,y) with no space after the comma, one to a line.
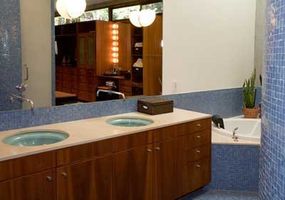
(272,161)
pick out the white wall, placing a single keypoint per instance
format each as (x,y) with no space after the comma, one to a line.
(36,49)
(208,44)
(259,37)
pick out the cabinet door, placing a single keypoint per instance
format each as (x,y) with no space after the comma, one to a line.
(6,190)
(39,186)
(103,178)
(165,172)
(75,182)
(133,173)
(90,180)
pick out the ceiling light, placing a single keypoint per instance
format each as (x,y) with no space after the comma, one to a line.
(71,9)
(142,18)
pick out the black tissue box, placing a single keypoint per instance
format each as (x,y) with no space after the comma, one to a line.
(155,106)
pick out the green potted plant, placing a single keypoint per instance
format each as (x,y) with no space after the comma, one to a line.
(249,95)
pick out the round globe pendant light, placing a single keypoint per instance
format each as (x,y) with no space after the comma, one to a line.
(70,9)
(142,18)
(135,18)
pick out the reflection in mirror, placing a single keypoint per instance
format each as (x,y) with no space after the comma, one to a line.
(67,61)
(100,50)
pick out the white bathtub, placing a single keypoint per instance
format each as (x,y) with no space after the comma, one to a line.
(248,129)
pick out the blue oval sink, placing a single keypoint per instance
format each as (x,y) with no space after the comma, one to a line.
(129,121)
(36,138)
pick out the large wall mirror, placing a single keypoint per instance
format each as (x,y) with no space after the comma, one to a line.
(95,57)
(207,45)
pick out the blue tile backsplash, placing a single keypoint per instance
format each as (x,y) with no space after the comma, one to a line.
(212,102)
(272,168)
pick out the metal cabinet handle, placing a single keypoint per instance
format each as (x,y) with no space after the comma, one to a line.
(149,150)
(198,165)
(198,136)
(198,125)
(49,178)
(198,151)
(64,174)
(157,148)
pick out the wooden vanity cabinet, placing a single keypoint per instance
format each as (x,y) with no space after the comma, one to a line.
(160,164)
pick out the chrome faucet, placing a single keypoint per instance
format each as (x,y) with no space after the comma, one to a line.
(14,97)
(112,92)
(235,137)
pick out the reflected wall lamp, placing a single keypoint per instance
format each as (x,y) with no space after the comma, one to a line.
(70,9)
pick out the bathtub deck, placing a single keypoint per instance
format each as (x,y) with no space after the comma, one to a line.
(221,139)
(221,195)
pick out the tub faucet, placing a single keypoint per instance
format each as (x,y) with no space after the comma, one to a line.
(235,137)
(111,92)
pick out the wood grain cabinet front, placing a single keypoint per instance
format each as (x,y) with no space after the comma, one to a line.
(160,164)
(133,174)
(193,157)
(40,186)
(89,180)
(6,190)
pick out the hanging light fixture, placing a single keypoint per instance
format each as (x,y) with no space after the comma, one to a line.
(142,18)
(70,9)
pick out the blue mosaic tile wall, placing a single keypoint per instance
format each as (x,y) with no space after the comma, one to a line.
(272,169)
(212,102)
(235,167)
(10,52)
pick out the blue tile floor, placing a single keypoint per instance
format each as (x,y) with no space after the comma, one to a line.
(221,195)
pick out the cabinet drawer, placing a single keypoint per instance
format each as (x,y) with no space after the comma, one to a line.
(163,134)
(73,154)
(84,152)
(32,164)
(199,138)
(198,153)
(199,125)
(192,127)
(130,141)
(199,173)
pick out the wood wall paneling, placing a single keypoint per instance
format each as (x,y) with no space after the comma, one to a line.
(152,58)
(103,47)
(125,59)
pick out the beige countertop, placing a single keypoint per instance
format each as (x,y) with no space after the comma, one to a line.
(94,129)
